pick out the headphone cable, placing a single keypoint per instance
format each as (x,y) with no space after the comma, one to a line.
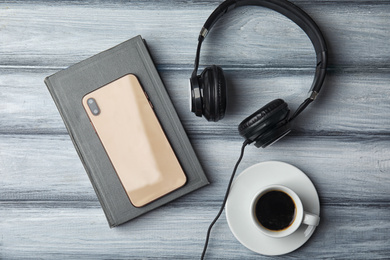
(246,142)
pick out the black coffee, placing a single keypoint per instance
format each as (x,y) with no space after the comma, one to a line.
(275,210)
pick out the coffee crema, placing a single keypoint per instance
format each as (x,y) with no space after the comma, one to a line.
(275,210)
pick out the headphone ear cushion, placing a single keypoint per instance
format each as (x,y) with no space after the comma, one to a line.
(265,119)
(214,93)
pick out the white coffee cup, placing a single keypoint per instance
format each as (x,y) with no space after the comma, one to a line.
(278,211)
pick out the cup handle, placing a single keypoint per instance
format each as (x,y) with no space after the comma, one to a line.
(311,219)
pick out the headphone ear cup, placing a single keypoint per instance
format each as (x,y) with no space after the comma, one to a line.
(214,93)
(196,95)
(266,125)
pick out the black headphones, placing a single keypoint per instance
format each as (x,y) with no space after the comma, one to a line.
(272,121)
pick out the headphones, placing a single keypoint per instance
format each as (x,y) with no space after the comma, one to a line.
(271,122)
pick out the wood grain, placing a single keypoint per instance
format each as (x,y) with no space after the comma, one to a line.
(54,161)
(79,230)
(48,208)
(350,103)
(60,34)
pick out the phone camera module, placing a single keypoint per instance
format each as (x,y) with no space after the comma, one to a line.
(93,106)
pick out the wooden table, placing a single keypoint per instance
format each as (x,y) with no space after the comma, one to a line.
(48,208)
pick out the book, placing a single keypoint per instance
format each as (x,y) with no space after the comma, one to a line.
(67,88)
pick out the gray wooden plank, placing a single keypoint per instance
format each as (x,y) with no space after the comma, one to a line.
(175,233)
(44,167)
(58,35)
(351,102)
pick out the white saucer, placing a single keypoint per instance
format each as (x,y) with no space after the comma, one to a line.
(244,188)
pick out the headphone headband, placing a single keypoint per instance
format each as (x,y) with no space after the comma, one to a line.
(292,12)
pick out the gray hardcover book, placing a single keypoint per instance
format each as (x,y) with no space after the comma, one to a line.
(69,86)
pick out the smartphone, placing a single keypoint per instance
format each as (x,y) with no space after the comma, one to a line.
(135,142)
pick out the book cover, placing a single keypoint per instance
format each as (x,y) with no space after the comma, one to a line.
(69,86)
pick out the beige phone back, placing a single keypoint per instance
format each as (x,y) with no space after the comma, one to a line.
(134,140)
